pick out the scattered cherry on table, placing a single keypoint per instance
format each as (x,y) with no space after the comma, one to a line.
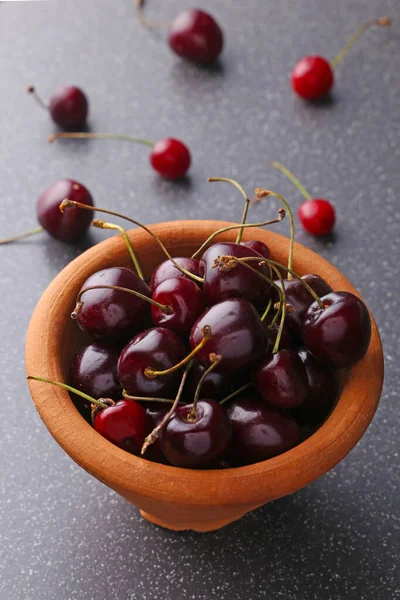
(68,106)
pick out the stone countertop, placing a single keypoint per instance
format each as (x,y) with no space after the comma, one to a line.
(62,534)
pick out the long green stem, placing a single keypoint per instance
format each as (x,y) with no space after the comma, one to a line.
(151,438)
(381,22)
(103,225)
(292,178)
(67,202)
(236,392)
(149,24)
(77,135)
(281,215)
(246,201)
(283,311)
(64,386)
(21,236)
(266,311)
(146,399)
(215,360)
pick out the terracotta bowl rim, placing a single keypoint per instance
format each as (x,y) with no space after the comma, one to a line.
(237,486)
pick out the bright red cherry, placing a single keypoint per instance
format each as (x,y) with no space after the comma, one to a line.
(68,106)
(199,441)
(196,36)
(125,424)
(281,379)
(317,216)
(258,431)
(184,301)
(170,158)
(339,332)
(312,77)
(167,270)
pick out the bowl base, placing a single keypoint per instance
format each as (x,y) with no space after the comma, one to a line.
(199,526)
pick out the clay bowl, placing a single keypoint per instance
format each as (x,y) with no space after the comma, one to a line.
(179,498)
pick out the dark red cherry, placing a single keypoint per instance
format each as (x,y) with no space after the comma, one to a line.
(317,216)
(93,371)
(158,348)
(258,431)
(167,270)
(281,379)
(113,313)
(156,411)
(312,77)
(71,224)
(69,107)
(338,334)
(286,340)
(323,390)
(238,335)
(196,36)
(170,158)
(215,386)
(259,247)
(185,301)
(238,282)
(199,442)
(125,424)
(299,299)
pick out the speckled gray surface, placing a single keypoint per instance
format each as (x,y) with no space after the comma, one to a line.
(62,534)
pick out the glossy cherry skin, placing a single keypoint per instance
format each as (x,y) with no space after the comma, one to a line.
(69,107)
(299,299)
(93,371)
(167,270)
(185,301)
(114,313)
(286,340)
(281,379)
(196,36)
(156,411)
(312,77)
(338,334)
(215,386)
(317,216)
(158,348)
(125,424)
(258,431)
(238,335)
(200,443)
(73,222)
(259,247)
(323,390)
(238,282)
(170,158)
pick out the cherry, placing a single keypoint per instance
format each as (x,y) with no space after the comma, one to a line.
(238,335)
(323,390)
(281,379)
(215,386)
(93,370)
(156,411)
(313,76)
(64,227)
(184,301)
(156,348)
(259,432)
(258,246)
(199,441)
(316,215)
(286,340)
(167,270)
(68,106)
(169,157)
(125,424)
(338,333)
(110,312)
(196,36)
(238,282)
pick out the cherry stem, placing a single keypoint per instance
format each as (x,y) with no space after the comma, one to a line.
(281,216)
(265,313)
(152,373)
(381,22)
(21,236)
(103,225)
(261,193)
(282,308)
(236,392)
(145,398)
(292,178)
(79,304)
(144,21)
(67,202)
(99,136)
(31,90)
(151,438)
(246,201)
(215,360)
(64,386)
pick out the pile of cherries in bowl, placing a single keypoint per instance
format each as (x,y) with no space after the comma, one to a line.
(219,360)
